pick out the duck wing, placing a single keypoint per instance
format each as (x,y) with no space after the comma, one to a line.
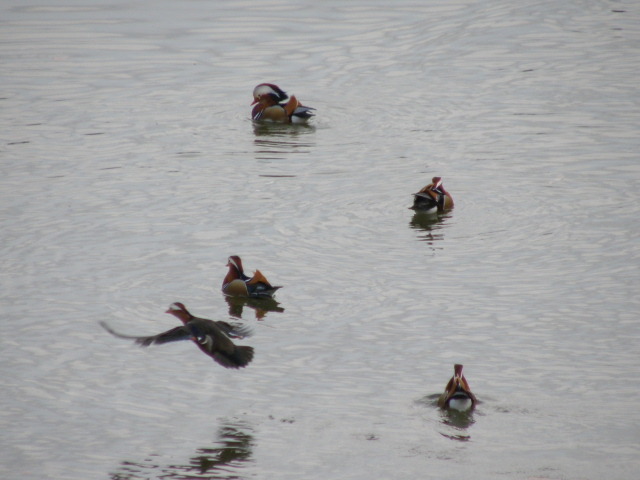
(202,326)
(240,357)
(174,335)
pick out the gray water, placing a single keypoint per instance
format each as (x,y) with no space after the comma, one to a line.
(130,171)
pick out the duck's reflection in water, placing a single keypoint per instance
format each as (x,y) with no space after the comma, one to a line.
(272,129)
(453,423)
(457,423)
(225,459)
(261,306)
(235,448)
(275,140)
(431,226)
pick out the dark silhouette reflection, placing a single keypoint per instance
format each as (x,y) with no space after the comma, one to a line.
(431,224)
(457,419)
(455,423)
(261,306)
(236,444)
(272,129)
(224,460)
(274,140)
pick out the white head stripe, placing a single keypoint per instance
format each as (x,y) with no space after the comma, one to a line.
(263,90)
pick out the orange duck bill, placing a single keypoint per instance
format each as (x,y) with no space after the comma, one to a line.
(211,337)
(457,395)
(432,198)
(267,99)
(237,284)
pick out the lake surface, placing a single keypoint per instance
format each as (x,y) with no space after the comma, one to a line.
(130,171)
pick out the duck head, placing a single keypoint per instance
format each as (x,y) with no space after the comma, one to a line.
(178,310)
(235,269)
(438,187)
(235,261)
(268,94)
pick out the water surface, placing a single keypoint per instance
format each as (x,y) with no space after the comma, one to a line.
(131,171)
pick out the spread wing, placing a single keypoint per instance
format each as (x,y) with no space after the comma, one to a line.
(234,330)
(173,335)
(210,336)
(240,357)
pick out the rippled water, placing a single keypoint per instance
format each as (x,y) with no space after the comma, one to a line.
(131,171)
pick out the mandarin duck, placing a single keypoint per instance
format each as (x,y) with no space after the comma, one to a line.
(268,96)
(432,198)
(457,395)
(211,337)
(237,284)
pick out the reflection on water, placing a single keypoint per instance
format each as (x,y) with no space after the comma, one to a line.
(261,306)
(281,129)
(457,422)
(431,224)
(454,423)
(223,460)
(273,140)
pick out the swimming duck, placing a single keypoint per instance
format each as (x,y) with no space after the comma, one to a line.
(457,395)
(432,198)
(268,96)
(237,284)
(211,337)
